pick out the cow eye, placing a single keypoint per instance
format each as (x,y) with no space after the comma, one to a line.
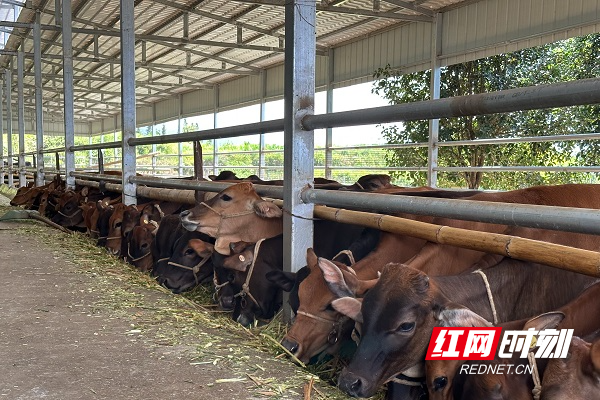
(225,197)
(118,225)
(189,252)
(329,307)
(406,327)
(439,383)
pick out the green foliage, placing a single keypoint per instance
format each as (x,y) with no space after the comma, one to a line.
(563,61)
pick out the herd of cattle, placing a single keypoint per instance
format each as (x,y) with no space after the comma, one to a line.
(384,291)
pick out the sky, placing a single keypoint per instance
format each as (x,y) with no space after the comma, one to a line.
(344,99)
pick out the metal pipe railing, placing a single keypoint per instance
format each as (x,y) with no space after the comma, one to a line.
(217,133)
(585,91)
(568,219)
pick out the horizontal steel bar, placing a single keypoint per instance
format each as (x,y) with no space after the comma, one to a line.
(96,146)
(263,190)
(568,219)
(520,168)
(97,177)
(218,133)
(585,91)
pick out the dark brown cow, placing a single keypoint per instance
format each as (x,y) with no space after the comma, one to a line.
(577,377)
(398,314)
(182,258)
(261,297)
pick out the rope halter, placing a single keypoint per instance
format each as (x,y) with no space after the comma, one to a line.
(223,216)
(334,334)
(246,285)
(195,269)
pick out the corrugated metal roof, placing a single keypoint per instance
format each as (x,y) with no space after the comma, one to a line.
(174,66)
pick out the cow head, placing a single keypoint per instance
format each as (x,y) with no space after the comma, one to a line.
(235,214)
(576,377)
(398,316)
(139,245)
(115,234)
(23,195)
(257,296)
(189,265)
(318,327)
(68,212)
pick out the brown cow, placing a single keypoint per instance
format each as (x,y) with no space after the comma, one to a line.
(139,246)
(233,215)
(398,314)
(577,377)
(574,315)
(306,337)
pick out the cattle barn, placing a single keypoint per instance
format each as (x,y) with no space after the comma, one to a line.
(98,100)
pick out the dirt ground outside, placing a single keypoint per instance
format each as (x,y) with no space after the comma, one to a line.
(76,323)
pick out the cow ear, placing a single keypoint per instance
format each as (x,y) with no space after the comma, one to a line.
(201,248)
(350,307)
(334,278)
(212,177)
(549,320)
(595,355)
(85,191)
(456,315)
(311,259)
(284,280)
(267,209)
(239,262)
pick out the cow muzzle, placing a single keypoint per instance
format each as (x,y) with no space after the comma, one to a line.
(189,225)
(355,385)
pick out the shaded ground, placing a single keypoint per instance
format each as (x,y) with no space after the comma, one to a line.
(76,323)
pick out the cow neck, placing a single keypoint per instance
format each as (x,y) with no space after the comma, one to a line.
(469,290)
(246,285)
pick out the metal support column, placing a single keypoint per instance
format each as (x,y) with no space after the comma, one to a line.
(68,95)
(39,112)
(434,90)
(21,116)
(261,144)
(216,110)
(1,134)
(8,80)
(128,99)
(153,144)
(180,144)
(329,109)
(300,46)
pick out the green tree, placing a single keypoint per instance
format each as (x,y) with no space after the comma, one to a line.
(541,65)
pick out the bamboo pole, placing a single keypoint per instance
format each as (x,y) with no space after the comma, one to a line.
(564,257)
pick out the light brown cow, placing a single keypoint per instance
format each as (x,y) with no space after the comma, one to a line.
(235,214)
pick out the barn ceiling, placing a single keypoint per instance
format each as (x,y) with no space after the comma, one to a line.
(184,45)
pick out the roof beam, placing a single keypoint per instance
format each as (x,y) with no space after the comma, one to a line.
(411,6)
(105,31)
(346,10)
